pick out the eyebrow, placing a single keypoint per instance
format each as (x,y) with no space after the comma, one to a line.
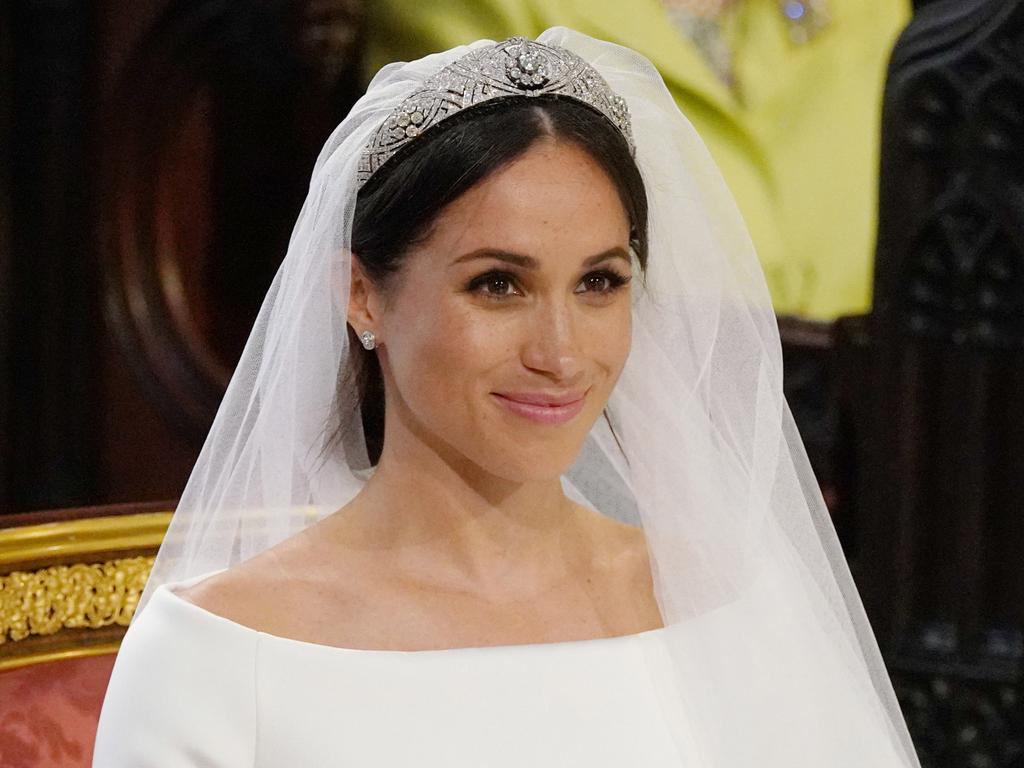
(528,262)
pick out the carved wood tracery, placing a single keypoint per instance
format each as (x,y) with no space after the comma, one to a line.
(935,395)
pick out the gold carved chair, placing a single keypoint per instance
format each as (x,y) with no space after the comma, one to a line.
(69,583)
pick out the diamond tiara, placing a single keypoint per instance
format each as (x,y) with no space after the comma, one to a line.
(514,67)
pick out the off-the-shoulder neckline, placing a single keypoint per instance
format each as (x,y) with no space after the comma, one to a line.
(167,590)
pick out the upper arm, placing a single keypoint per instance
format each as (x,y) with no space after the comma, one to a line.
(182,692)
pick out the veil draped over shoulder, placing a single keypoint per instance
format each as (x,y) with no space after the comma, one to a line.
(772,661)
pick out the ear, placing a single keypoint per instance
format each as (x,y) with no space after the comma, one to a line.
(364,302)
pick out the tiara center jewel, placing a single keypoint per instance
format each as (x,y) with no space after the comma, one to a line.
(529,70)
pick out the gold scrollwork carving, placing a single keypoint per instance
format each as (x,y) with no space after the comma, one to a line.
(93,595)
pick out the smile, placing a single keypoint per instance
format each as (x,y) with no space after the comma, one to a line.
(540,412)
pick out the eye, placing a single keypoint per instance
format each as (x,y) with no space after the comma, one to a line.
(603,281)
(498,285)
(494,285)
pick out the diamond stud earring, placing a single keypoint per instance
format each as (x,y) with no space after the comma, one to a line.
(368,340)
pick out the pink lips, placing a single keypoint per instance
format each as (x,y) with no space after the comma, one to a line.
(541,408)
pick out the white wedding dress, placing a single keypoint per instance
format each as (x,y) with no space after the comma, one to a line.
(191,688)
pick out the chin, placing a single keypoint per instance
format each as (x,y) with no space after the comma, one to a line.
(523,449)
(523,460)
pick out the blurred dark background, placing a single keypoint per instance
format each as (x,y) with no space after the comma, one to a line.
(155,157)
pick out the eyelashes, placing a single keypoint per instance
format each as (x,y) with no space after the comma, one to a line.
(497,285)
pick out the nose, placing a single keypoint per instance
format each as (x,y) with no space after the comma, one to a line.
(551,345)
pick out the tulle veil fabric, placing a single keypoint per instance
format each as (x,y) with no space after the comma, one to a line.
(772,662)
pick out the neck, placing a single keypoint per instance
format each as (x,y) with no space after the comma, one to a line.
(442,519)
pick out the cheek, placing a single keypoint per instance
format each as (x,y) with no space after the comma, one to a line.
(609,339)
(443,354)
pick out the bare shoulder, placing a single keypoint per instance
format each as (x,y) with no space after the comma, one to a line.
(624,566)
(300,589)
(633,556)
(240,593)
(622,547)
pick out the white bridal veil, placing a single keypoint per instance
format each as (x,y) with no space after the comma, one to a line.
(772,661)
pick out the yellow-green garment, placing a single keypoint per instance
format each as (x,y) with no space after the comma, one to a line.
(797,139)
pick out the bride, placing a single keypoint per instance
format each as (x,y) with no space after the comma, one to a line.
(505,476)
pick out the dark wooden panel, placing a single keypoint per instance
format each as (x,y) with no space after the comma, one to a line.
(6,292)
(160,151)
(934,392)
(52,401)
(210,130)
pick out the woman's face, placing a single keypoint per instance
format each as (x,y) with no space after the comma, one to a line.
(520,293)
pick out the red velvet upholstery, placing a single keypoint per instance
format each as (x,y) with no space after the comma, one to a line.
(49,711)
(73,576)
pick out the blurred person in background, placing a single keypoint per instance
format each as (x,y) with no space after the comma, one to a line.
(786,94)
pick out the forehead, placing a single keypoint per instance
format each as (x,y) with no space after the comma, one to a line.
(554,202)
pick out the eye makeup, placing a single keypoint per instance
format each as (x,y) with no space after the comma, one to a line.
(609,281)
